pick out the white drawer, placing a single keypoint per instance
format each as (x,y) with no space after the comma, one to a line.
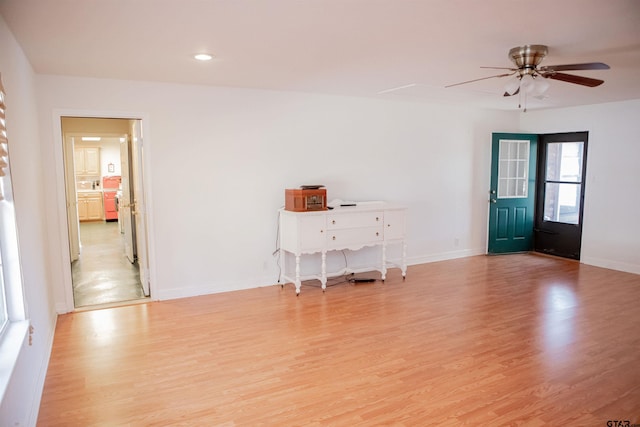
(353,237)
(354,220)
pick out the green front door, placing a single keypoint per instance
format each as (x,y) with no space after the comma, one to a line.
(512,193)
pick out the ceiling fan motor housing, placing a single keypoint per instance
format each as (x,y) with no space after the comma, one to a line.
(528,57)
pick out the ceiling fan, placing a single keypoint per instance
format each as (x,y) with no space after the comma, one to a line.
(529,77)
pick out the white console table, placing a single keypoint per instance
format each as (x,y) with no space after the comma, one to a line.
(351,227)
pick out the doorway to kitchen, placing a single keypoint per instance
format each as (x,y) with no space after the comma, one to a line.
(105,210)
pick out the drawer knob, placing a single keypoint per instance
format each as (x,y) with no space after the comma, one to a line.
(377,219)
(334,237)
(377,234)
(322,231)
(333,222)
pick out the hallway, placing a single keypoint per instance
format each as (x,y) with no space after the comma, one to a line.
(103,274)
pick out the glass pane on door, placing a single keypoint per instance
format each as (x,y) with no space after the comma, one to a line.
(564,161)
(512,169)
(563,182)
(562,202)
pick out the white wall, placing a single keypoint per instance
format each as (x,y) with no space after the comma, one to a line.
(22,398)
(110,154)
(611,230)
(220,159)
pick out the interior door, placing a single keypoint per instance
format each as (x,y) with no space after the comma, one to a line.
(126,208)
(512,192)
(72,198)
(560,202)
(139,205)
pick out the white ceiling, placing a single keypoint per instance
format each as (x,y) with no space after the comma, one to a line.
(343,47)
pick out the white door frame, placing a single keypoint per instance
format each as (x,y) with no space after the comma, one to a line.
(61,200)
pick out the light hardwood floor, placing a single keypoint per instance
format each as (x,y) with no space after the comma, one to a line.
(510,340)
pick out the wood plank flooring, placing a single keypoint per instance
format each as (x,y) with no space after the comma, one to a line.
(509,340)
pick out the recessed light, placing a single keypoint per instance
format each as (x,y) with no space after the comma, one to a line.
(91,138)
(203,57)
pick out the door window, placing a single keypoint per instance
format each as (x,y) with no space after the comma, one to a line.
(563,182)
(513,169)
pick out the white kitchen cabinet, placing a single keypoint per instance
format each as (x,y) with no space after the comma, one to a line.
(352,228)
(90,206)
(87,161)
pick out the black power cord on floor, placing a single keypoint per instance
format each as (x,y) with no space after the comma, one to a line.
(362,280)
(348,278)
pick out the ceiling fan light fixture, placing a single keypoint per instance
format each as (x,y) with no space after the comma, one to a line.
(512,85)
(540,85)
(527,84)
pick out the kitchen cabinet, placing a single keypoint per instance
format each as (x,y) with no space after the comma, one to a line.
(353,228)
(87,160)
(90,206)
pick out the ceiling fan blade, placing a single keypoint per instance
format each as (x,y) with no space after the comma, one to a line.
(501,68)
(511,94)
(579,80)
(569,67)
(393,89)
(482,78)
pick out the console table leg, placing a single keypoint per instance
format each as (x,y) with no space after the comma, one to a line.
(404,260)
(298,282)
(323,277)
(282,255)
(383,270)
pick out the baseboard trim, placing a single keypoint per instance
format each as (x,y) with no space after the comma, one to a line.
(444,256)
(212,288)
(611,264)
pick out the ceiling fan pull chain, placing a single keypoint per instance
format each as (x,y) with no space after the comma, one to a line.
(519,99)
